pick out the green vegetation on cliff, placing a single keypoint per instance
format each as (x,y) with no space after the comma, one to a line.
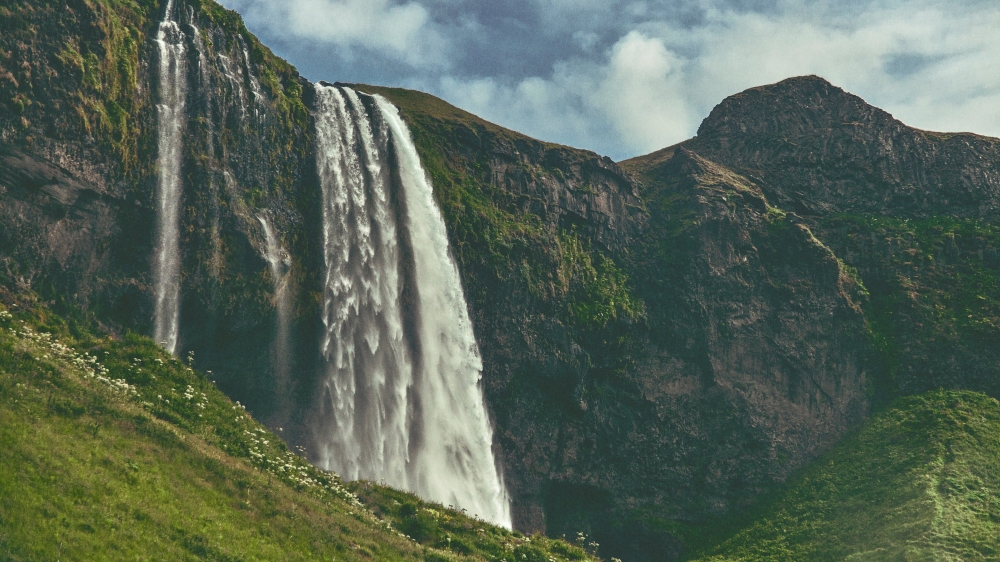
(934,297)
(90,77)
(920,481)
(490,232)
(114,449)
(85,69)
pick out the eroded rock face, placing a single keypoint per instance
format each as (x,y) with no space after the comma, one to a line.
(750,366)
(746,364)
(61,232)
(79,87)
(913,211)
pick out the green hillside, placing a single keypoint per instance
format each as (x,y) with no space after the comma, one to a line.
(114,450)
(920,481)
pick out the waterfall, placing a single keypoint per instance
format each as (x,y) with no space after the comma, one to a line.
(170,114)
(402,401)
(278,263)
(255,91)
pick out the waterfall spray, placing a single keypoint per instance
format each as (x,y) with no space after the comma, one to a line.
(170,123)
(402,401)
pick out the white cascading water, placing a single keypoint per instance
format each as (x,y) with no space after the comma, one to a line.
(170,123)
(402,399)
(255,91)
(278,264)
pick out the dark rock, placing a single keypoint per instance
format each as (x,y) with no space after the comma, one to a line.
(816,149)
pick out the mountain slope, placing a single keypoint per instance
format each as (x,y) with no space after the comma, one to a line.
(912,212)
(920,481)
(907,213)
(113,449)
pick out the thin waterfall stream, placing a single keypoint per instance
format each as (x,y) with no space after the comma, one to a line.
(402,401)
(278,265)
(171,116)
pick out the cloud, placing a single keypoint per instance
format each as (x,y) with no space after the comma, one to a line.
(628,102)
(642,93)
(630,76)
(402,31)
(932,68)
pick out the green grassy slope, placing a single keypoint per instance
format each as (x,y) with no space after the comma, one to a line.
(113,449)
(920,481)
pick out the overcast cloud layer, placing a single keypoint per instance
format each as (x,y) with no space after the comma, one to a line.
(628,77)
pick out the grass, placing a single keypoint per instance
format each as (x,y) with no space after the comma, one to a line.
(920,481)
(456,532)
(114,449)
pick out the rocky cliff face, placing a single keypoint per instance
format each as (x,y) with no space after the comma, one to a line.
(80,84)
(737,356)
(913,211)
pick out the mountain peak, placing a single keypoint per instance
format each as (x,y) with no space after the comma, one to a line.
(817,149)
(792,106)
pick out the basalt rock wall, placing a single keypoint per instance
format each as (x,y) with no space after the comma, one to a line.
(705,347)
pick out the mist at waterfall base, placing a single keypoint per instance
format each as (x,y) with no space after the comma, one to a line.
(402,402)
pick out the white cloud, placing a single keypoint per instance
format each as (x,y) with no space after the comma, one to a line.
(402,31)
(652,88)
(642,93)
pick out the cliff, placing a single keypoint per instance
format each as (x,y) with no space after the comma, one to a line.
(728,350)
(912,211)
(78,124)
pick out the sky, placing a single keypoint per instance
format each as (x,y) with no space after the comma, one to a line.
(627,77)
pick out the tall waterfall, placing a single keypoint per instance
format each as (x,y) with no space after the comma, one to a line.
(170,124)
(402,400)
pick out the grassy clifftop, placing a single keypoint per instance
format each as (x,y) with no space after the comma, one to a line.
(920,481)
(114,449)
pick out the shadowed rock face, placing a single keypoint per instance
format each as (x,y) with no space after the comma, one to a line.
(58,233)
(747,364)
(81,191)
(751,366)
(913,211)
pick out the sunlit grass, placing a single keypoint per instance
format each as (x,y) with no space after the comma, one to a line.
(920,481)
(113,449)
